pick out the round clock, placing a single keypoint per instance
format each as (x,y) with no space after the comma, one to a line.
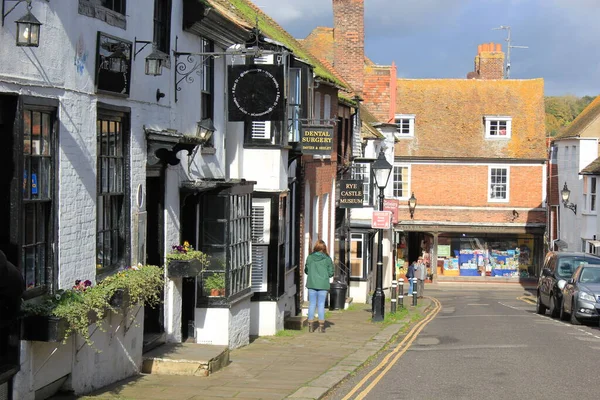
(256,92)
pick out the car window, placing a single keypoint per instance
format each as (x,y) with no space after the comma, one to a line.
(590,275)
(568,264)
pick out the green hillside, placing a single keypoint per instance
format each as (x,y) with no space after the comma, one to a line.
(562,110)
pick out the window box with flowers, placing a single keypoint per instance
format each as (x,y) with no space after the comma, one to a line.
(184,261)
(54,317)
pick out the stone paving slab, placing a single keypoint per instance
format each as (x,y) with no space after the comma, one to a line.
(300,366)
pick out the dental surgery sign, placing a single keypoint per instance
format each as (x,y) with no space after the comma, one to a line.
(351,194)
(317,140)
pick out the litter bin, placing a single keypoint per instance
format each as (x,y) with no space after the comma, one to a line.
(337,295)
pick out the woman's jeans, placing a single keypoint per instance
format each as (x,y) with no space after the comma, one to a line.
(316,298)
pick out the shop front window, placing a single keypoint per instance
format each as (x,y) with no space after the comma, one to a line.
(502,255)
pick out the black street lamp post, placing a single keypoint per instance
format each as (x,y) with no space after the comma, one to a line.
(381,170)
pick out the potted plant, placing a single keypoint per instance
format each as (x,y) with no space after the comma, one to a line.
(214,284)
(184,261)
(55,316)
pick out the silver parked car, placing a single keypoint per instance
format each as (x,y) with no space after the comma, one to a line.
(581,295)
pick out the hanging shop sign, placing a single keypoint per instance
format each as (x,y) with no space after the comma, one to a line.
(113,64)
(317,139)
(255,92)
(381,220)
(351,194)
(391,205)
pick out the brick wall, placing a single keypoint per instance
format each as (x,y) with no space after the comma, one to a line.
(467,185)
(349,41)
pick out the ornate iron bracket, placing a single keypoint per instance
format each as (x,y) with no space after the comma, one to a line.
(188,64)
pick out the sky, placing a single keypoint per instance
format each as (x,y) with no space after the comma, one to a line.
(439,38)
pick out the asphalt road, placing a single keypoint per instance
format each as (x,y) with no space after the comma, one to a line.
(487,344)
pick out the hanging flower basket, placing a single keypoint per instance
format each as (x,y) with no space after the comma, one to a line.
(184,261)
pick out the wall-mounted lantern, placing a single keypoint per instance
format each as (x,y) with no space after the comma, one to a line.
(28,26)
(412,204)
(154,61)
(205,130)
(565,194)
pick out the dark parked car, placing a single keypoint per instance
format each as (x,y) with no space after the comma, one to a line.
(581,295)
(557,270)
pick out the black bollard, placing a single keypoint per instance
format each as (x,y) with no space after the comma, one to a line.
(414,293)
(393,297)
(401,293)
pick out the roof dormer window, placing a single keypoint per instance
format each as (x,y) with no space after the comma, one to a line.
(405,125)
(498,127)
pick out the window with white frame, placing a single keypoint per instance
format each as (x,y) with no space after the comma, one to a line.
(357,255)
(498,127)
(401,181)
(589,193)
(362,172)
(573,156)
(498,184)
(261,232)
(405,125)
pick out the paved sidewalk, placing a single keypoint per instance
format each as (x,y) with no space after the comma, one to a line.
(300,365)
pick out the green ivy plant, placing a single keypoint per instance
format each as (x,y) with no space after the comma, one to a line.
(86,304)
(187,252)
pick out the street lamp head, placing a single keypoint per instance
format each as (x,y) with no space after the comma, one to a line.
(565,193)
(381,169)
(412,204)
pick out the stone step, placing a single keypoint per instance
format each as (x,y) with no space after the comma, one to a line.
(185,359)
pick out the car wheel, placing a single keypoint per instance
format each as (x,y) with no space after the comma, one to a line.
(563,315)
(539,307)
(574,320)
(553,309)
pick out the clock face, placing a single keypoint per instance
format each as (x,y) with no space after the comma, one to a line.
(256,92)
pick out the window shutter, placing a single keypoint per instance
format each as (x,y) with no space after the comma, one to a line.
(260,243)
(261,130)
(259,268)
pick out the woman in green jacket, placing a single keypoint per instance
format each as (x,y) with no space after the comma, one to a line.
(319,269)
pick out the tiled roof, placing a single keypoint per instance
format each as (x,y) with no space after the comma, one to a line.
(320,43)
(589,114)
(449,118)
(249,14)
(592,169)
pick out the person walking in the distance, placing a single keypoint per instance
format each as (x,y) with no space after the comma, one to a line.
(410,274)
(420,273)
(318,268)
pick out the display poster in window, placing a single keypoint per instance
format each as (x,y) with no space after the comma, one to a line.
(317,140)
(351,194)
(391,205)
(443,250)
(255,92)
(113,65)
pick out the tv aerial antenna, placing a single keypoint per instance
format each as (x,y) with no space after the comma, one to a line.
(509,46)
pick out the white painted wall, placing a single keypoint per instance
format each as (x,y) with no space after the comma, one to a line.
(575,227)
(223,326)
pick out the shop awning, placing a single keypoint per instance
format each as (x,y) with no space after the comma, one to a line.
(595,243)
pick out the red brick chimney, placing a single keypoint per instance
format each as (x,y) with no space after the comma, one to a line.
(489,62)
(349,41)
